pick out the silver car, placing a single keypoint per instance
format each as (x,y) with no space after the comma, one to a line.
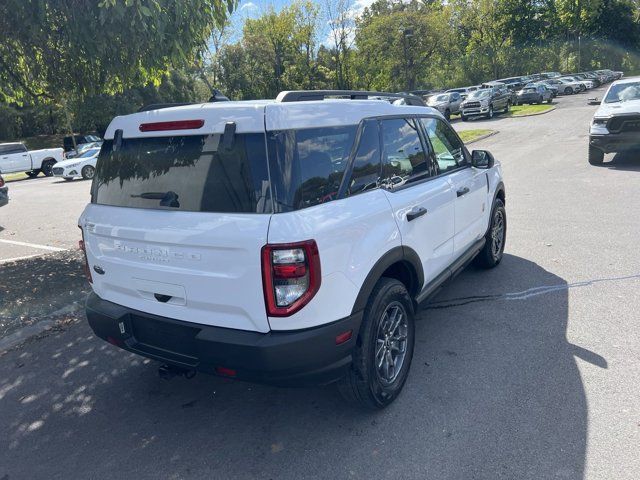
(447,103)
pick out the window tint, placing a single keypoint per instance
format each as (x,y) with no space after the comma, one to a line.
(307,165)
(12,148)
(403,157)
(366,164)
(447,147)
(190,173)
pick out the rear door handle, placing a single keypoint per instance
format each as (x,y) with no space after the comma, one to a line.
(415,213)
(462,191)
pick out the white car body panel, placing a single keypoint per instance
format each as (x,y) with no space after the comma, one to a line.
(74,165)
(210,263)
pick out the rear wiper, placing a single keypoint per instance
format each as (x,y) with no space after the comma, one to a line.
(167,199)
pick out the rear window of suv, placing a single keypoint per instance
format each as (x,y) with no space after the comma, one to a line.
(190,173)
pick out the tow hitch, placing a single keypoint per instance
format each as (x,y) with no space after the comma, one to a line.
(167,372)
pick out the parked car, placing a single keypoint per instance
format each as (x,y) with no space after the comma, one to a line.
(548,75)
(447,103)
(82,166)
(486,102)
(550,86)
(15,158)
(463,91)
(4,192)
(616,124)
(67,142)
(514,83)
(568,87)
(589,76)
(239,260)
(584,84)
(82,149)
(534,94)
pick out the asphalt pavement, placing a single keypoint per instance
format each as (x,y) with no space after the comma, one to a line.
(527,371)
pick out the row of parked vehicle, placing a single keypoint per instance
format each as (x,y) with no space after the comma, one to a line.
(75,160)
(499,95)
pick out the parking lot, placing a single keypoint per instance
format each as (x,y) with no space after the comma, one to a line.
(527,371)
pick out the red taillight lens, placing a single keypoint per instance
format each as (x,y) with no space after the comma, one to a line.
(175,125)
(82,247)
(290,276)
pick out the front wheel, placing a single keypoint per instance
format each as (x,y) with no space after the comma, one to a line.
(383,353)
(463,118)
(596,156)
(568,91)
(490,114)
(493,250)
(88,172)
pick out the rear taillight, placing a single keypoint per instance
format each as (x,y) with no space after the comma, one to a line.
(174,125)
(290,276)
(1,182)
(83,248)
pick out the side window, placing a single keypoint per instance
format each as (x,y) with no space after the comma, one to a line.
(447,147)
(12,148)
(366,165)
(403,157)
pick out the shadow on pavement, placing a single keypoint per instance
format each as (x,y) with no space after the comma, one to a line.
(494,392)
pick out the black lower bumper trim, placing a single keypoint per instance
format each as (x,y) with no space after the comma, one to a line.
(616,142)
(307,357)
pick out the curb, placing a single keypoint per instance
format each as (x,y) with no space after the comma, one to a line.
(482,137)
(553,107)
(25,333)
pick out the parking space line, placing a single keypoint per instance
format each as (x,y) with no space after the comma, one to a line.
(34,245)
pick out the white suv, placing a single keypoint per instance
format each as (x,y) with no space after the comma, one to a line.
(287,241)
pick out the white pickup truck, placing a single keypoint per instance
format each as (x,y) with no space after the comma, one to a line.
(15,158)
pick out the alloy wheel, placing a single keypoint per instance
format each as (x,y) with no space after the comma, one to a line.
(391,342)
(497,234)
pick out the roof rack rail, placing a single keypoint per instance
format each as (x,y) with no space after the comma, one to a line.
(309,95)
(160,106)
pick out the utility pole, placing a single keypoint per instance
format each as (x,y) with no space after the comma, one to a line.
(408,60)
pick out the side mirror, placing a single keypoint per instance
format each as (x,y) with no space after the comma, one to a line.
(593,101)
(482,159)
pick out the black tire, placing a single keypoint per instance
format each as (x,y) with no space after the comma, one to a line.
(596,156)
(568,91)
(550,101)
(47,167)
(507,107)
(364,384)
(490,114)
(88,172)
(447,114)
(463,118)
(492,252)
(33,174)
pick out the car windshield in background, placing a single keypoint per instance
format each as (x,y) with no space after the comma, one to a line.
(89,153)
(200,173)
(438,99)
(307,165)
(623,92)
(480,94)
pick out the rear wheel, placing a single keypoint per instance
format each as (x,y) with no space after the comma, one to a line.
(596,156)
(88,172)
(383,353)
(491,253)
(47,167)
(568,91)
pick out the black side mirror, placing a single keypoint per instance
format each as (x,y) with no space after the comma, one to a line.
(482,159)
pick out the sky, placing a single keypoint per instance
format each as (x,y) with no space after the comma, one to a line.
(253,8)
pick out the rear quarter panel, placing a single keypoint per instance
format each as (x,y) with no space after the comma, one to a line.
(352,235)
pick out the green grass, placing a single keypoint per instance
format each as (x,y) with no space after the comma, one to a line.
(470,135)
(520,110)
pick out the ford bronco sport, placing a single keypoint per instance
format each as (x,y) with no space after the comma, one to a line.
(287,241)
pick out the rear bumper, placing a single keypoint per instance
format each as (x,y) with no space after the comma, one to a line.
(615,142)
(305,357)
(4,196)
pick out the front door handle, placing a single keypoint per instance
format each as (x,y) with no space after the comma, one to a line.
(415,213)
(462,191)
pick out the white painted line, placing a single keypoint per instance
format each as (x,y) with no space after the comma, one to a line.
(34,245)
(15,259)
